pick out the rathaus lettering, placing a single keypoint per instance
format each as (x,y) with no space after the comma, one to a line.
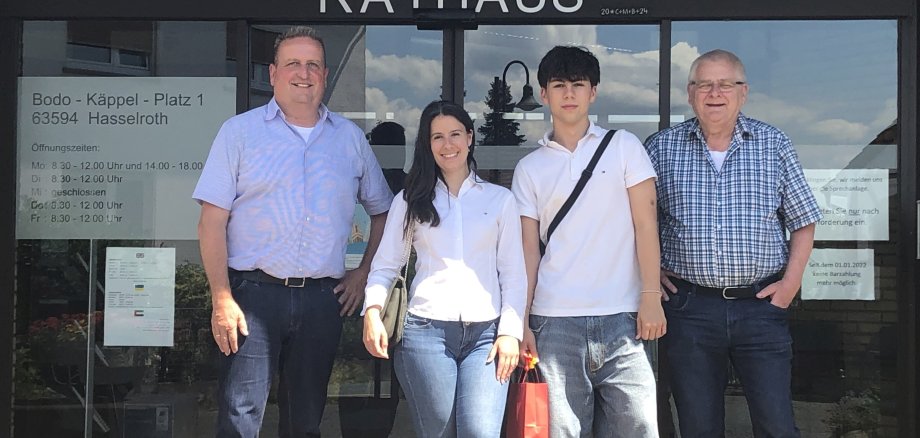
(525,6)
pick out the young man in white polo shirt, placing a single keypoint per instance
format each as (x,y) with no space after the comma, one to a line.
(594,296)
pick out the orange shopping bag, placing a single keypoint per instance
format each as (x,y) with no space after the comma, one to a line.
(527,410)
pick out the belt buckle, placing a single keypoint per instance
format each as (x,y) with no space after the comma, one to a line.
(287,282)
(727,288)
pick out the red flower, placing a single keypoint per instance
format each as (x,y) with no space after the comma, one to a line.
(66,328)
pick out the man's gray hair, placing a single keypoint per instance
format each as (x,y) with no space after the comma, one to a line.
(715,56)
(300,32)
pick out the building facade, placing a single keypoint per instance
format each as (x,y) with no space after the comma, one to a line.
(109,109)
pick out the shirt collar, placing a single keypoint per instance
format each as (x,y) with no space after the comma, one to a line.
(472,180)
(742,128)
(593,131)
(272,110)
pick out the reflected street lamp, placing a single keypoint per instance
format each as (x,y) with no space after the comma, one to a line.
(527,103)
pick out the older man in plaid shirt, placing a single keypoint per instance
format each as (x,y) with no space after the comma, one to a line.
(728,188)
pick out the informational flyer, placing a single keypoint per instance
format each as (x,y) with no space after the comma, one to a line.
(115,158)
(140,297)
(840,274)
(854,203)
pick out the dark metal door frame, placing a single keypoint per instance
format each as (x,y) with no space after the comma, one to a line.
(11,20)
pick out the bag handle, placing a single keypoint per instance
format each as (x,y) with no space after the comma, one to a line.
(532,375)
(579,186)
(394,383)
(407,249)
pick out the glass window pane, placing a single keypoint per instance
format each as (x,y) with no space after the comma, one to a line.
(89,53)
(133,58)
(108,160)
(627,95)
(382,87)
(832,87)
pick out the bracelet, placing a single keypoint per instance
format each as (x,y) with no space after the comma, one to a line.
(650,291)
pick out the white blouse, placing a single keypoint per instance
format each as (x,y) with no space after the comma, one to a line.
(468,268)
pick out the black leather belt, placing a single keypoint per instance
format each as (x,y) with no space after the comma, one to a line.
(731,292)
(259,276)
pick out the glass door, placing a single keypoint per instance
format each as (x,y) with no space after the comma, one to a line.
(112,308)
(382,87)
(832,87)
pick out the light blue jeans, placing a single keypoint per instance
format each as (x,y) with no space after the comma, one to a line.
(442,368)
(599,376)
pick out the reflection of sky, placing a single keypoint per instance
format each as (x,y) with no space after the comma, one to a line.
(402,77)
(426,44)
(627,55)
(830,85)
(825,83)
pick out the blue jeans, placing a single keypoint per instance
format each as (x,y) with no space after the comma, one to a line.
(442,368)
(599,376)
(294,331)
(707,333)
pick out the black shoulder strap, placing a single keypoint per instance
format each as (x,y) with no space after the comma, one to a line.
(585,176)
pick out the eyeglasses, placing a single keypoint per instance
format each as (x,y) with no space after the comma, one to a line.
(312,66)
(706,87)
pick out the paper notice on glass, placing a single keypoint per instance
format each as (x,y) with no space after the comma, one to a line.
(840,274)
(854,203)
(140,297)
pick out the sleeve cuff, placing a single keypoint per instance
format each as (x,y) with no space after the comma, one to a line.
(213,200)
(374,295)
(379,207)
(642,177)
(510,324)
(804,221)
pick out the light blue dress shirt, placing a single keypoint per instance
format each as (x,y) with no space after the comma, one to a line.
(291,201)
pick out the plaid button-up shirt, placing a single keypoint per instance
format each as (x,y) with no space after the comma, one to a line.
(725,227)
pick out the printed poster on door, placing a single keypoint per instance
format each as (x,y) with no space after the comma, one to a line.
(140,297)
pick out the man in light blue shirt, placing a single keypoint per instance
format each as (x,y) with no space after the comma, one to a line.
(277,194)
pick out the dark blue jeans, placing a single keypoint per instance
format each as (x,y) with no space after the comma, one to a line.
(294,331)
(705,334)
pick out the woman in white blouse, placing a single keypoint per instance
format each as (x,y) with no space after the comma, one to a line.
(466,302)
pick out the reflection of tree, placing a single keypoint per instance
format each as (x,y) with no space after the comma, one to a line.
(192,355)
(496,130)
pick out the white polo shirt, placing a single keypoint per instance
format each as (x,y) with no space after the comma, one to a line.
(590,267)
